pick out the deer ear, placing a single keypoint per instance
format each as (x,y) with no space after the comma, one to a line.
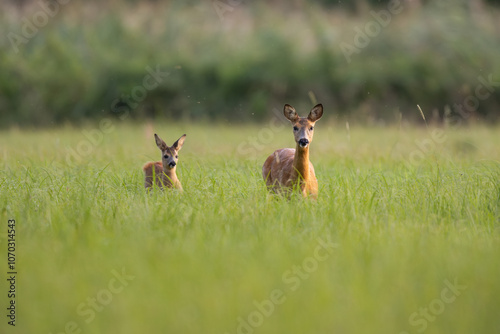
(160,143)
(178,144)
(315,113)
(290,113)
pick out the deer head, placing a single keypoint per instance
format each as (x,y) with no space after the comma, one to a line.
(303,127)
(169,154)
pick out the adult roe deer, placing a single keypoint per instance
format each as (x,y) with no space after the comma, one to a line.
(163,172)
(288,168)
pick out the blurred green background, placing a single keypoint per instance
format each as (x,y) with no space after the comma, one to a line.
(366,61)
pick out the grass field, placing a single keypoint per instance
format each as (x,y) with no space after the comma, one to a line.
(404,237)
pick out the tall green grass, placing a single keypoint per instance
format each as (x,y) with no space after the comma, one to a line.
(202,260)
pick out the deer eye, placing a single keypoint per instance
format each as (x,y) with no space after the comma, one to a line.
(176,156)
(295,128)
(166,156)
(311,128)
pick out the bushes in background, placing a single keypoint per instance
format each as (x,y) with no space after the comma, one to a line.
(91,60)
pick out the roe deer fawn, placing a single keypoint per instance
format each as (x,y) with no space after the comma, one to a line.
(288,168)
(163,172)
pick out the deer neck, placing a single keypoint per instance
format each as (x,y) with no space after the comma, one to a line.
(301,162)
(169,175)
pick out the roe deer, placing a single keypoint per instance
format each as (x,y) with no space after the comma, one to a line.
(163,172)
(288,168)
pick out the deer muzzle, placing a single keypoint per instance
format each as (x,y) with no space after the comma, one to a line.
(303,142)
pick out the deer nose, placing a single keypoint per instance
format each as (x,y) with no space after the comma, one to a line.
(303,142)
(172,164)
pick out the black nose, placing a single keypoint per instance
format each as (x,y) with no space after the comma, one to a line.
(303,142)
(172,164)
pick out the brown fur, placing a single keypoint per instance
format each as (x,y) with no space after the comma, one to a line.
(162,173)
(288,168)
